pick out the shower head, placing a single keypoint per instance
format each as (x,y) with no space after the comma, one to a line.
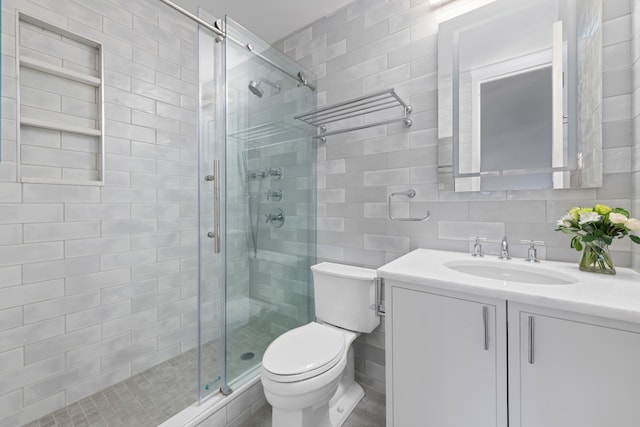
(254,86)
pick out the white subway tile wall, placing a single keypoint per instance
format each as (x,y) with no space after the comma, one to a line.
(97,283)
(378,44)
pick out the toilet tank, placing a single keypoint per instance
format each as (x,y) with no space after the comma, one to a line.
(345,296)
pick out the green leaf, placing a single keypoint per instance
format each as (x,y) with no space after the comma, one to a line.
(634,238)
(575,243)
(589,238)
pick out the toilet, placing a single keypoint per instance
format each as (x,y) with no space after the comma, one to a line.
(308,372)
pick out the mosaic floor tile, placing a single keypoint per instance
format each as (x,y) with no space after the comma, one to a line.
(155,395)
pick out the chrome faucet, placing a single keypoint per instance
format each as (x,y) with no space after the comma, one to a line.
(532,252)
(504,249)
(477,246)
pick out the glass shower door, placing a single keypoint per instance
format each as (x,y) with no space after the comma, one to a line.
(270,204)
(211,235)
(256,204)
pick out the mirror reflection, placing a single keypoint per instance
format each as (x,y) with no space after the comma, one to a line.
(519,96)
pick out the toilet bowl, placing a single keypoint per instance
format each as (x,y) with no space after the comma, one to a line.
(308,372)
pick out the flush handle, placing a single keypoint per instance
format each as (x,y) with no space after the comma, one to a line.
(377,306)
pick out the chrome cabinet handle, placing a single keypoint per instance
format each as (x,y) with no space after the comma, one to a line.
(485,325)
(530,355)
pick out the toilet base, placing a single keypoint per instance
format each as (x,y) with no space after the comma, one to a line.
(340,410)
(332,414)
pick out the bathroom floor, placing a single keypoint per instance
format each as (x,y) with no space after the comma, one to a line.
(153,396)
(370,412)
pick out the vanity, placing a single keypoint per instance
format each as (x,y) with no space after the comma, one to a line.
(479,342)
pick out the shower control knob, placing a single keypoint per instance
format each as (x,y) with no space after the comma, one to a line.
(275,195)
(275,173)
(275,217)
(211,235)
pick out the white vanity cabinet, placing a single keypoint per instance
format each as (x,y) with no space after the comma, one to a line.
(568,352)
(567,369)
(446,358)
(448,362)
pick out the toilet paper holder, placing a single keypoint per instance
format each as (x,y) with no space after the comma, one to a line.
(411,193)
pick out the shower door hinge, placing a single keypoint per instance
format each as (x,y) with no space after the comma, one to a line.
(378,306)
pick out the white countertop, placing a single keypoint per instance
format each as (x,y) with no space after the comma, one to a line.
(611,296)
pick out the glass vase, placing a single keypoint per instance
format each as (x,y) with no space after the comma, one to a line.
(596,258)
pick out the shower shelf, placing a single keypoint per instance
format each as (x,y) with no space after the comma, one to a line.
(357,107)
(269,130)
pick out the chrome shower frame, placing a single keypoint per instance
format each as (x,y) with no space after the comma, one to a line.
(218,28)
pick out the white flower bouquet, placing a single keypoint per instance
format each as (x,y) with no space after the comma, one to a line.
(596,228)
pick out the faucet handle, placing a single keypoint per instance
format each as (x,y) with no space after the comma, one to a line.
(532,252)
(477,246)
(533,243)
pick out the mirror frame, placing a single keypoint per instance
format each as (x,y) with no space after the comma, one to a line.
(579,163)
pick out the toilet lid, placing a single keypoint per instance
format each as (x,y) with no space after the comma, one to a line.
(310,349)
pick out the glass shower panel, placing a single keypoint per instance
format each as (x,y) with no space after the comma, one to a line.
(211,214)
(270,206)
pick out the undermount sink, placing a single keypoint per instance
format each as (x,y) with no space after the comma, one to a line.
(509,271)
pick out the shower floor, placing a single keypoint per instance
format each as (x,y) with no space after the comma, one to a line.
(155,395)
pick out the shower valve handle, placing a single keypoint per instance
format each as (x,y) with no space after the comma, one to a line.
(272,217)
(275,195)
(275,217)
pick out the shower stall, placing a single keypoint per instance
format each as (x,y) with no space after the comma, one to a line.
(188,231)
(256,202)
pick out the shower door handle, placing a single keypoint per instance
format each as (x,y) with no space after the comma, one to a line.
(215,234)
(216,203)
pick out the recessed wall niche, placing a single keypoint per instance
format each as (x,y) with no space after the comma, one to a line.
(60,105)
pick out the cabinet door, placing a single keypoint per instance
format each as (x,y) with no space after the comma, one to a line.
(446,371)
(571,370)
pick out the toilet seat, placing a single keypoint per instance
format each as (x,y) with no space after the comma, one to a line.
(303,353)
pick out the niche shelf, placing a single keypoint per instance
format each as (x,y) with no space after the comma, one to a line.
(60,103)
(364,106)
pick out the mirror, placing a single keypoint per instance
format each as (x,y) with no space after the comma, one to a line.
(520,96)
